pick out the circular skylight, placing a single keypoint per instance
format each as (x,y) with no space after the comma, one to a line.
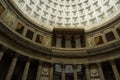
(69,13)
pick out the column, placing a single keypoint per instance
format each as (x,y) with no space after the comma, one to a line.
(25,73)
(73,43)
(51,72)
(11,68)
(115,34)
(1,54)
(63,72)
(100,71)
(93,42)
(63,41)
(24,31)
(39,71)
(75,72)
(115,71)
(104,38)
(54,39)
(34,37)
(87,72)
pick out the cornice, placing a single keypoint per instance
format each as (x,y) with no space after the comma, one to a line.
(83,52)
(65,57)
(61,52)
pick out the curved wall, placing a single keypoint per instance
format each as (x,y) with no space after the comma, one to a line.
(21,40)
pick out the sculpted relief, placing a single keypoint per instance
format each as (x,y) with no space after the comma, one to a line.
(9,19)
(47,41)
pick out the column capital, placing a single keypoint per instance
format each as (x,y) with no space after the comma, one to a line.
(111,61)
(74,66)
(63,65)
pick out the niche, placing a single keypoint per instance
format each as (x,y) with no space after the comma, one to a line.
(39,39)
(29,34)
(1,9)
(19,28)
(98,40)
(110,36)
(68,38)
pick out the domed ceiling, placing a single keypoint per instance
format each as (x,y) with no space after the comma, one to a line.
(85,14)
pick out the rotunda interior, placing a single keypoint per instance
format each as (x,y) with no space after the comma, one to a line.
(59,39)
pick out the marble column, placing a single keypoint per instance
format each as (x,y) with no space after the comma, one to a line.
(26,69)
(93,42)
(1,54)
(11,68)
(39,71)
(104,38)
(75,72)
(87,72)
(34,37)
(115,34)
(63,72)
(51,72)
(100,71)
(24,31)
(115,71)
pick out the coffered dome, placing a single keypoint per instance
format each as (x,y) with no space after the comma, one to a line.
(85,14)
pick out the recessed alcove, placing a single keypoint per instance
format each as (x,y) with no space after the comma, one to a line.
(68,38)
(19,28)
(39,39)
(98,40)
(110,36)
(1,9)
(29,34)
